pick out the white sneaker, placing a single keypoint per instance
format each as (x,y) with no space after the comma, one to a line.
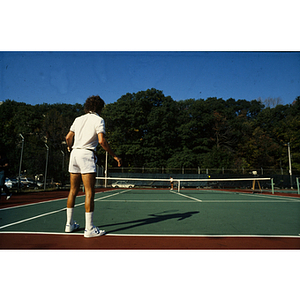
(71,227)
(8,197)
(94,232)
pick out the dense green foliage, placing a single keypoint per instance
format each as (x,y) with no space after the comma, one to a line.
(39,125)
(152,130)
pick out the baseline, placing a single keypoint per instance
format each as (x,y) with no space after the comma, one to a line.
(159,235)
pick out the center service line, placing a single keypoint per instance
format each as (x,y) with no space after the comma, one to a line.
(187,196)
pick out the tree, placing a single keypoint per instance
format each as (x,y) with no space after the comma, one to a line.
(141,127)
(270,102)
(38,124)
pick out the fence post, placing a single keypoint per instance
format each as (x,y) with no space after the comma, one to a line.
(105,172)
(62,167)
(45,179)
(21,158)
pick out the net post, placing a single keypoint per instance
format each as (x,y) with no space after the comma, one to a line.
(272,184)
(178,186)
(297,180)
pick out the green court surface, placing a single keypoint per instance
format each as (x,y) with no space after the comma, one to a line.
(164,212)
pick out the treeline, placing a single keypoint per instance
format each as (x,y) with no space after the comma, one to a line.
(152,130)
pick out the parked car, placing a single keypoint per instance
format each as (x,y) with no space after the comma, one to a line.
(27,182)
(11,183)
(39,184)
(122,184)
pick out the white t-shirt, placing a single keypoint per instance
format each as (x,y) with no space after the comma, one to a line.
(86,129)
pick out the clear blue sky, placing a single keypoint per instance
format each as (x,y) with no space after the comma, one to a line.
(70,77)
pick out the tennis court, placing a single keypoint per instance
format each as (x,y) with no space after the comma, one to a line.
(155,219)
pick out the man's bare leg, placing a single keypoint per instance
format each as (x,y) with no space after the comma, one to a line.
(75,180)
(89,181)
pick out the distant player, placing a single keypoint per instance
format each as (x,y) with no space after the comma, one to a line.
(84,135)
(3,173)
(172,183)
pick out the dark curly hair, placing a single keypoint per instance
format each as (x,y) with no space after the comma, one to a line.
(94,104)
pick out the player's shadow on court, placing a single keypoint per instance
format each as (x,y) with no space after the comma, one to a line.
(154,218)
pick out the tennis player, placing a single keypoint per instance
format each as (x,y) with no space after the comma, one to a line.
(85,133)
(172,183)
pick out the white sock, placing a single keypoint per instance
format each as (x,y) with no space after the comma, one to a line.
(70,215)
(89,220)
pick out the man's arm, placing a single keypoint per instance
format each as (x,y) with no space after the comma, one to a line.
(70,140)
(104,144)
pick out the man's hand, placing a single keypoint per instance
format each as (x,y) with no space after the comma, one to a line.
(119,160)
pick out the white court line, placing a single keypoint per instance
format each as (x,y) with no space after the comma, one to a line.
(150,201)
(275,198)
(160,235)
(24,205)
(32,218)
(45,201)
(100,199)
(163,201)
(245,201)
(187,196)
(203,235)
(48,213)
(287,198)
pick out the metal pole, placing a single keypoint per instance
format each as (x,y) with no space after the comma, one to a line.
(63,161)
(105,172)
(297,179)
(272,184)
(290,165)
(45,179)
(21,158)
(62,167)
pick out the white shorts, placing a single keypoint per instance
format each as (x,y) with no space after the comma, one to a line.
(82,161)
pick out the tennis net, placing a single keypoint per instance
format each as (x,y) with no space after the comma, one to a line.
(180,184)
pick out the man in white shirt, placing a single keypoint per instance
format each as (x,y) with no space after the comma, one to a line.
(84,135)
